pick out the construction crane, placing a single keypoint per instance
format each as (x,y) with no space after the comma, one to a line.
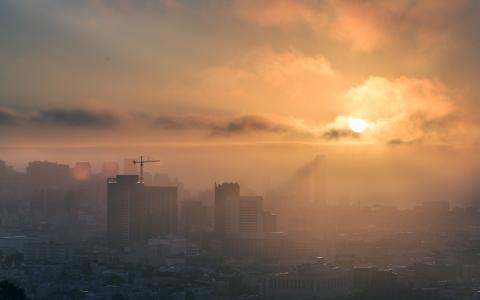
(141,162)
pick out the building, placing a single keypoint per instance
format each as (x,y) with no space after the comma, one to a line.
(48,251)
(244,215)
(125,211)
(271,246)
(161,210)
(309,281)
(42,174)
(373,280)
(194,217)
(222,193)
(269,222)
(13,244)
(82,171)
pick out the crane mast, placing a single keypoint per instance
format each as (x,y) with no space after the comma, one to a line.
(141,162)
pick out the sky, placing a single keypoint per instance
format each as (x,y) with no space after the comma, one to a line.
(124,74)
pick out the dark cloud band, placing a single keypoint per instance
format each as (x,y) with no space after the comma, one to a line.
(76,118)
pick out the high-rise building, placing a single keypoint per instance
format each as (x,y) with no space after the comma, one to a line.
(194,217)
(82,171)
(269,222)
(223,192)
(244,215)
(125,211)
(161,210)
(129,168)
(43,174)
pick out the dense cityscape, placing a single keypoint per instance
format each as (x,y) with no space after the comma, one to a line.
(239,150)
(69,233)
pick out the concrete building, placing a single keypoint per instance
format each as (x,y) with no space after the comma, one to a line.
(82,171)
(125,211)
(49,251)
(161,210)
(309,281)
(244,216)
(222,193)
(194,217)
(12,244)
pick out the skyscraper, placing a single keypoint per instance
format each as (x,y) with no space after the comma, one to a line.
(244,216)
(125,211)
(222,193)
(82,170)
(161,204)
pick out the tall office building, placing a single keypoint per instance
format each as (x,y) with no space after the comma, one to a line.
(43,174)
(269,222)
(194,217)
(161,210)
(244,216)
(223,192)
(82,170)
(125,211)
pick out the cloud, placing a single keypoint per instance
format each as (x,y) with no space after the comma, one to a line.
(409,111)
(7,117)
(338,134)
(76,118)
(249,124)
(278,13)
(367,25)
(281,82)
(364,25)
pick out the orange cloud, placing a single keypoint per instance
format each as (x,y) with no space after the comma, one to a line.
(409,110)
(279,12)
(365,25)
(280,82)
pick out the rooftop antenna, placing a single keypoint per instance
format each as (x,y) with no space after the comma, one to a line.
(141,162)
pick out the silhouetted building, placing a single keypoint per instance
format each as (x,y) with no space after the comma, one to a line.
(41,174)
(125,210)
(308,281)
(244,215)
(46,205)
(82,171)
(269,222)
(194,217)
(161,210)
(222,193)
(46,251)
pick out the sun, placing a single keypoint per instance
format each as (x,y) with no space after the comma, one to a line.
(357,125)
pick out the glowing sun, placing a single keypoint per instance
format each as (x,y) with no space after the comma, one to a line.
(357,125)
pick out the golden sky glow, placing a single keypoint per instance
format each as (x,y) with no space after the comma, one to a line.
(84,72)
